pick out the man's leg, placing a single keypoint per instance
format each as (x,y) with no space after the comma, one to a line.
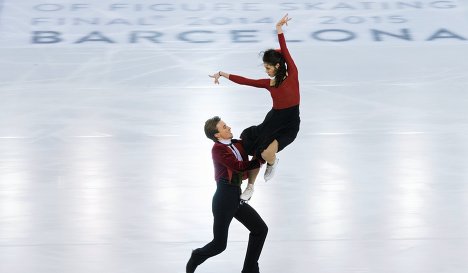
(225,205)
(258,232)
(213,248)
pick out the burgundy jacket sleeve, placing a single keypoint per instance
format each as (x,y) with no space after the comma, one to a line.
(228,159)
(261,83)
(292,69)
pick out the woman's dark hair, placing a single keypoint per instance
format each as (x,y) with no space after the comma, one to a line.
(273,57)
(210,128)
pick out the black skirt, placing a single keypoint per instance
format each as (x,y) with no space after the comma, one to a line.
(279,124)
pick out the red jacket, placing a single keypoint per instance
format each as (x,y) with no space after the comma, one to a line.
(226,164)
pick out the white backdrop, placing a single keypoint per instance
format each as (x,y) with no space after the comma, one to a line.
(104,166)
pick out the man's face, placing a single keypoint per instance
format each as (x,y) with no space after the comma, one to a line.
(224,131)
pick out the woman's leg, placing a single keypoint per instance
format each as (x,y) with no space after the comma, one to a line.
(249,190)
(269,154)
(253,175)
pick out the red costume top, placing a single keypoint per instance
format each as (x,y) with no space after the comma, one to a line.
(287,93)
(226,164)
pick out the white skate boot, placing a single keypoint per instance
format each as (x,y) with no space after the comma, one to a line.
(248,192)
(270,170)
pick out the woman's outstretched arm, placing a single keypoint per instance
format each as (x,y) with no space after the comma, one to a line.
(292,69)
(260,83)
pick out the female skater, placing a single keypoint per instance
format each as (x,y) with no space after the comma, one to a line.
(281,124)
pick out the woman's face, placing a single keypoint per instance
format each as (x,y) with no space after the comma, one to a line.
(271,69)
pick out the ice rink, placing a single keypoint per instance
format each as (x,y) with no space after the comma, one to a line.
(105,168)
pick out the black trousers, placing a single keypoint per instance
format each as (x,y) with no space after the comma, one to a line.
(226,206)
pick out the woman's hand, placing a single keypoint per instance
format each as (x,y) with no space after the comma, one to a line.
(216,77)
(283,21)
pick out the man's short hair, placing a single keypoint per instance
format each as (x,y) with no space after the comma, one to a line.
(210,127)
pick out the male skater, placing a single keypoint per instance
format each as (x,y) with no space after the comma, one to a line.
(231,166)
